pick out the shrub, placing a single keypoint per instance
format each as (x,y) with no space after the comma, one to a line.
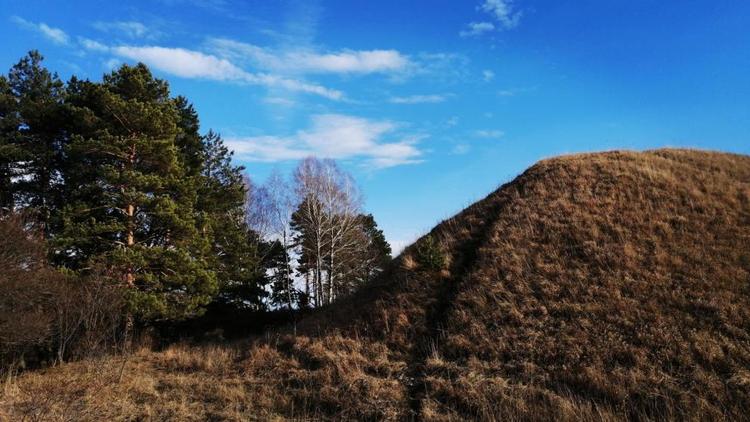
(430,255)
(46,314)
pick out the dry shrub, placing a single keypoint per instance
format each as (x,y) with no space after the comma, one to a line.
(408,262)
(47,315)
(333,377)
(214,359)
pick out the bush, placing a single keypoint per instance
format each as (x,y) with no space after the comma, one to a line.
(430,255)
(45,314)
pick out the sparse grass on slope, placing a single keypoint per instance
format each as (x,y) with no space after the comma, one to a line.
(593,287)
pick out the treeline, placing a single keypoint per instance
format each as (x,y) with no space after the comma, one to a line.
(322,237)
(116,182)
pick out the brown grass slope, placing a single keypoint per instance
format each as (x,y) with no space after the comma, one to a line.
(601,286)
(615,285)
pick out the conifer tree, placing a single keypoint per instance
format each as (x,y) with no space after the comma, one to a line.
(9,152)
(119,176)
(35,146)
(283,292)
(235,247)
(132,202)
(376,252)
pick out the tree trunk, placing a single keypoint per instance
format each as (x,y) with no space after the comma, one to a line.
(307,285)
(319,271)
(130,234)
(130,241)
(332,271)
(288,274)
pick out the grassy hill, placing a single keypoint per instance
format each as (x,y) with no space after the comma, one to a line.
(601,286)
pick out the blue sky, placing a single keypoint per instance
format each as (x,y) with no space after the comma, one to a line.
(430,104)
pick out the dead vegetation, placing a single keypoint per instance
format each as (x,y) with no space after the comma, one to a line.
(605,286)
(47,315)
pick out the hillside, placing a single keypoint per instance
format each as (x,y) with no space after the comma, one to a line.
(600,286)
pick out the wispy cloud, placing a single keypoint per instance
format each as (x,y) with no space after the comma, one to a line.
(128,29)
(460,149)
(111,64)
(503,11)
(334,136)
(419,99)
(92,45)
(194,64)
(56,35)
(443,67)
(397,65)
(350,61)
(215,5)
(488,75)
(197,65)
(489,134)
(279,101)
(512,92)
(182,62)
(308,61)
(477,28)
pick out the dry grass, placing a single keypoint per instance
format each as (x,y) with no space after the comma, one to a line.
(605,286)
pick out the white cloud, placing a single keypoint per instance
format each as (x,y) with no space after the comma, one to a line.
(447,67)
(461,149)
(489,134)
(193,64)
(56,35)
(419,99)
(279,101)
(129,29)
(503,11)
(334,136)
(92,45)
(512,92)
(488,75)
(215,5)
(477,28)
(111,64)
(183,63)
(308,61)
(352,61)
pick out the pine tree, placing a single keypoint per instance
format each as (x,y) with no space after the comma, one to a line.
(235,251)
(283,292)
(189,142)
(39,139)
(376,253)
(9,150)
(131,197)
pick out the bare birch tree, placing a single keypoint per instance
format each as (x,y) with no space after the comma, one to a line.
(312,219)
(342,201)
(280,208)
(329,203)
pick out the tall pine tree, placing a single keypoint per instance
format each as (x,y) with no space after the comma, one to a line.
(36,143)
(235,253)
(9,150)
(132,198)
